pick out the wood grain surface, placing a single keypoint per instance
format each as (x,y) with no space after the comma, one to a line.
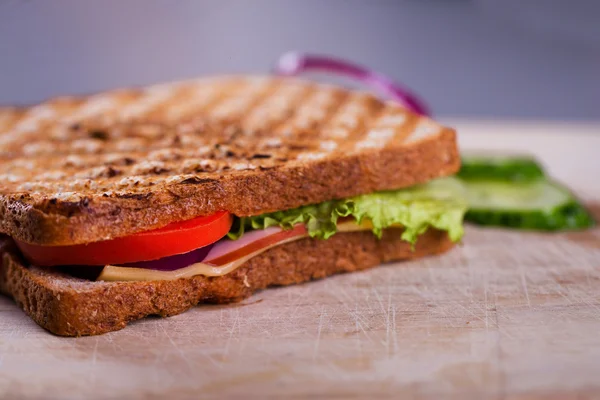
(507,315)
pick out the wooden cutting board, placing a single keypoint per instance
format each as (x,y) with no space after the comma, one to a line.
(508,315)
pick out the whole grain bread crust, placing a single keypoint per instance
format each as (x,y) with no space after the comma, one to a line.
(83,169)
(252,193)
(69,306)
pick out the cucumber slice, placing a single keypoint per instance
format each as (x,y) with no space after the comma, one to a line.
(515,168)
(539,205)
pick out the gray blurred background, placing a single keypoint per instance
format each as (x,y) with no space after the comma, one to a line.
(468,58)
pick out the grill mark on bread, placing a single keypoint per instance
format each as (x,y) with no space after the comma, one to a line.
(96,115)
(194,100)
(247,120)
(409,124)
(306,114)
(270,89)
(155,154)
(342,98)
(160,113)
(329,111)
(237,104)
(290,111)
(381,132)
(369,107)
(28,125)
(149,99)
(96,109)
(308,145)
(275,109)
(375,110)
(93,107)
(222,95)
(346,122)
(422,131)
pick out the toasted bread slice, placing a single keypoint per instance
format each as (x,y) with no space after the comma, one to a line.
(70,306)
(78,170)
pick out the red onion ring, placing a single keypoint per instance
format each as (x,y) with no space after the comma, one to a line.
(294,63)
(174,262)
(206,253)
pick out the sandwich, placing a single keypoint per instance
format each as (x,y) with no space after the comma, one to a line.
(148,201)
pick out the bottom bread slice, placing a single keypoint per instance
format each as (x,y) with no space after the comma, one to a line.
(69,306)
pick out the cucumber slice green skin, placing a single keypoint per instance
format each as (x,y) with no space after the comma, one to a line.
(568,216)
(553,208)
(500,169)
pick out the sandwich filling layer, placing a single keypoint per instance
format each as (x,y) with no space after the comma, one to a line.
(438,204)
(223,258)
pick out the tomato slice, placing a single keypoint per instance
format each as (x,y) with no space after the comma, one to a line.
(175,238)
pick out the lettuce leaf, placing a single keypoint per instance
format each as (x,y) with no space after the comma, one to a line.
(439,204)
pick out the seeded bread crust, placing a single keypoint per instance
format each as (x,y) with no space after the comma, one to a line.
(253,193)
(69,306)
(79,170)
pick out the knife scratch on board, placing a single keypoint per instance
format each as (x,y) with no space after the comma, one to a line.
(524,284)
(323,313)
(93,366)
(236,322)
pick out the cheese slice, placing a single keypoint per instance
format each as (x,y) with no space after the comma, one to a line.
(115,273)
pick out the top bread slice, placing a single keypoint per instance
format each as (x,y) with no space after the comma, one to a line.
(83,169)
